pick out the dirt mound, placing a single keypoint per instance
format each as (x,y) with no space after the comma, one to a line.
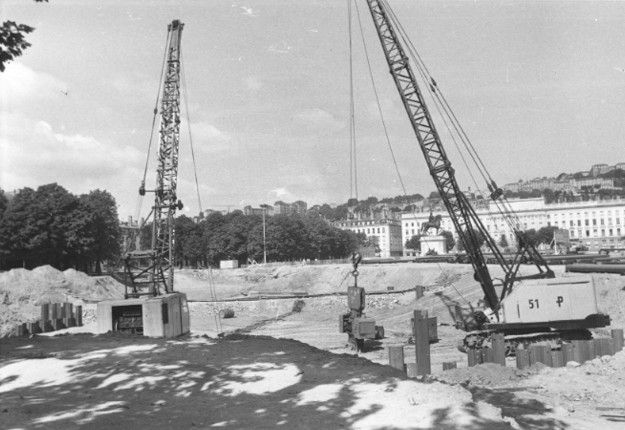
(23,291)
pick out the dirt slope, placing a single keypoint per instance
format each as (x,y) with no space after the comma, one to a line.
(23,291)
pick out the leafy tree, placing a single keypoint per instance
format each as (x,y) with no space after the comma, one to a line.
(47,226)
(545,234)
(188,245)
(529,236)
(450,242)
(4,202)
(104,228)
(479,237)
(13,40)
(414,243)
(503,242)
(15,232)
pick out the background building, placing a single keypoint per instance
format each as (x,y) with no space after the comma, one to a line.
(385,231)
(594,224)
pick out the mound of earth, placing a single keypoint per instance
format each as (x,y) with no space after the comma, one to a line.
(23,291)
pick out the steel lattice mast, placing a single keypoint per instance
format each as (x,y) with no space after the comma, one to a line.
(165,201)
(154,268)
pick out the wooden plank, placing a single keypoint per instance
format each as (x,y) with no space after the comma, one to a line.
(522,358)
(473,357)
(396,357)
(499,349)
(419,291)
(611,347)
(579,353)
(546,355)
(488,355)
(557,359)
(411,370)
(534,354)
(567,353)
(45,312)
(617,335)
(79,315)
(54,311)
(592,352)
(422,342)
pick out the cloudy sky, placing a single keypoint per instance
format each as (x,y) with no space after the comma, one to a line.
(539,87)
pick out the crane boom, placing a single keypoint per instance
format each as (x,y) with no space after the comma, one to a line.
(165,200)
(464,218)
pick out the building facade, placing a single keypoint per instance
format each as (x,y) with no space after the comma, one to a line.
(385,231)
(594,224)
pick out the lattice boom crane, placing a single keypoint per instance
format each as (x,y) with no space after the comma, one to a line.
(159,273)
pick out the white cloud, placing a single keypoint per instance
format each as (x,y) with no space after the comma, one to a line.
(281,194)
(318,121)
(206,137)
(21,85)
(253,83)
(34,154)
(281,48)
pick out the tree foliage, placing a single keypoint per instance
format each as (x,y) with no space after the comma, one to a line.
(13,40)
(479,238)
(52,226)
(414,243)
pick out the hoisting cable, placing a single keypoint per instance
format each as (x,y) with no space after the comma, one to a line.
(499,199)
(353,167)
(139,204)
(441,102)
(387,134)
(377,99)
(425,76)
(186,106)
(447,115)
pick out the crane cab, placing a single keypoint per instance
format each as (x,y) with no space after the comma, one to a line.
(558,303)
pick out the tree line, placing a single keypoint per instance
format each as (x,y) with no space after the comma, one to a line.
(543,235)
(246,238)
(52,226)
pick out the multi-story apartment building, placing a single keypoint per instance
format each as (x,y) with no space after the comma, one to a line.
(386,231)
(569,183)
(281,208)
(594,224)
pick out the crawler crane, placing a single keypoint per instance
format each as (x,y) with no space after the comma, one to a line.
(151,307)
(527,308)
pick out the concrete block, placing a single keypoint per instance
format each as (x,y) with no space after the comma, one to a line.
(396,357)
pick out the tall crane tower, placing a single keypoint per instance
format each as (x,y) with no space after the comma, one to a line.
(151,307)
(158,274)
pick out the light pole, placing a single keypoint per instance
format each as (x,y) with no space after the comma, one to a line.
(264,239)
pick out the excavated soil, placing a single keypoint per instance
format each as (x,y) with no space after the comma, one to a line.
(281,363)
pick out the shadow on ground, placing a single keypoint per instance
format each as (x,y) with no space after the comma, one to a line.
(240,382)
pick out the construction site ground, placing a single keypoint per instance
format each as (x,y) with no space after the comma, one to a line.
(281,362)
